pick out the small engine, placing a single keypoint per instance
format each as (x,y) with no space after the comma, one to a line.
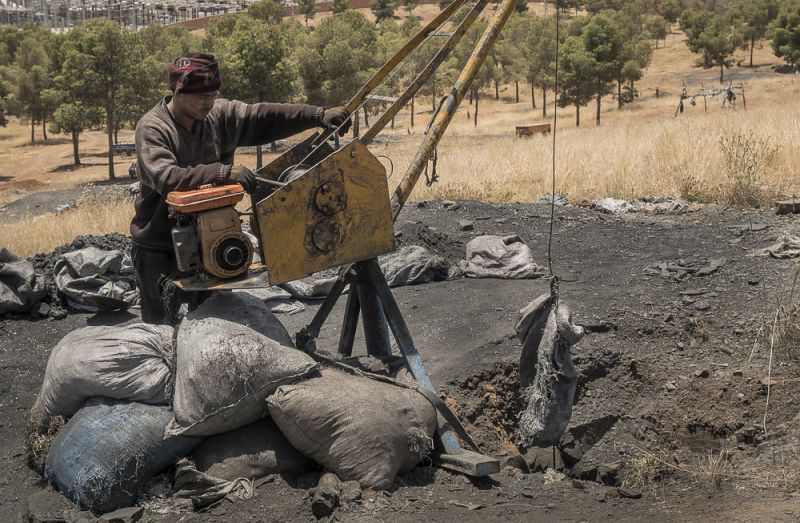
(208,235)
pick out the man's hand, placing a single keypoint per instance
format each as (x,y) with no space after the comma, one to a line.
(334,117)
(244,177)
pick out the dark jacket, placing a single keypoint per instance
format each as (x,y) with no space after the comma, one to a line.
(173,158)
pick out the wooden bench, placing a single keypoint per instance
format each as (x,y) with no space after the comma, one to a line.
(128,149)
(526,131)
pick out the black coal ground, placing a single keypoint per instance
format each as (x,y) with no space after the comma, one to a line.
(657,376)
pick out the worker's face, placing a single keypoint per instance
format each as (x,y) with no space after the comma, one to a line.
(194,105)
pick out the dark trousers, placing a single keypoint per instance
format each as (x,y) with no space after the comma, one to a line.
(156,294)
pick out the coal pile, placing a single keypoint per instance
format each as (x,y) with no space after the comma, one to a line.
(44,263)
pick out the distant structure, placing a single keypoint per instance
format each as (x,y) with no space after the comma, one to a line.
(65,14)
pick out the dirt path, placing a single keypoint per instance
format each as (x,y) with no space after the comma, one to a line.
(670,403)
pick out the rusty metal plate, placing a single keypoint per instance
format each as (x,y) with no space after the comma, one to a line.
(336,213)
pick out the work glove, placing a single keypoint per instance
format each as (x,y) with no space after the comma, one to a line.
(333,117)
(244,177)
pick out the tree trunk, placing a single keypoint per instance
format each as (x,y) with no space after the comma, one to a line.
(259,157)
(75,158)
(577,115)
(476,108)
(273,147)
(721,73)
(44,128)
(116,135)
(366,118)
(412,112)
(752,44)
(470,96)
(533,98)
(516,92)
(597,118)
(496,90)
(619,93)
(33,126)
(110,133)
(544,102)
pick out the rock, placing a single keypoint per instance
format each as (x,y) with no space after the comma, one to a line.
(422,205)
(701,373)
(501,220)
(629,493)
(41,309)
(350,491)
(325,496)
(449,204)
(58,314)
(466,225)
(512,472)
(670,386)
(702,305)
(608,473)
(518,462)
(580,438)
(738,373)
(48,506)
(539,459)
(123,515)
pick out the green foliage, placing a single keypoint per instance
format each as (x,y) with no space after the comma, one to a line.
(266,10)
(670,10)
(337,57)
(307,8)
(409,5)
(32,72)
(522,6)
(100,56)
(715,37)
(754,17)
(73,118)
(256,64)
(166,43)
(577,82)
(340,6)
(383,9)
(785,32)
(656,27)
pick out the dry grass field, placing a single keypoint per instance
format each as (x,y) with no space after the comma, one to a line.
(641,150)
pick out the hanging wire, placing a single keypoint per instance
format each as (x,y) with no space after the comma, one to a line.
(553,151)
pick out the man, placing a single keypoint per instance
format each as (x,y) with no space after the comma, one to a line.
(189,139)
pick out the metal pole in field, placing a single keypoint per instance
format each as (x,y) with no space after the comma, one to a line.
(449,105)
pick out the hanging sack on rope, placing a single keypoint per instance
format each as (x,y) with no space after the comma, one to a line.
(232,352)
(103,457)
(547,375)
(133,363)
(361,429)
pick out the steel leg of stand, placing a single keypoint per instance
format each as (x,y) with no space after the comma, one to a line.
(305,340)
(373,320)
(453,457)
(349,323)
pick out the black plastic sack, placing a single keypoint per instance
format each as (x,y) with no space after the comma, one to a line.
(109,450)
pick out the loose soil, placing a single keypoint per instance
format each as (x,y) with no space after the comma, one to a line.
(672,391)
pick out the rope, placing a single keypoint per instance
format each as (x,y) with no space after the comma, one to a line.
(553,152)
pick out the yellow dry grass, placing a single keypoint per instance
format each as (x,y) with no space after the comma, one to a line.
(641,150)
(32,235)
